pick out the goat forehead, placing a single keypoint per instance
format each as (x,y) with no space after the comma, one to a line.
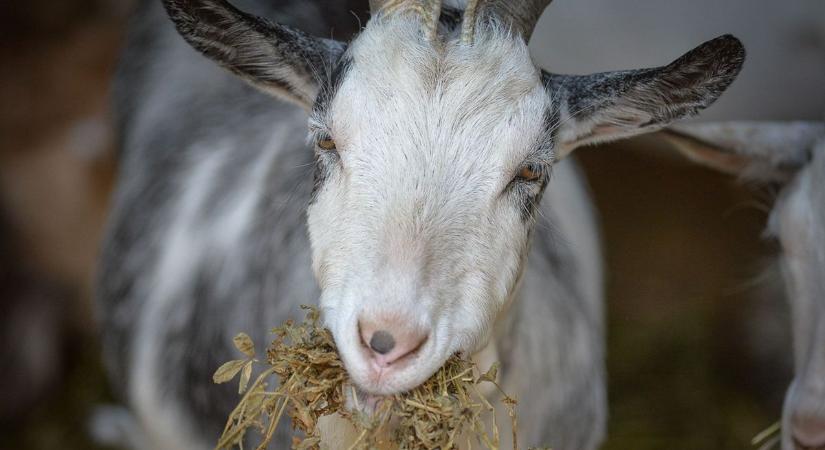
(482,106)
(393,54)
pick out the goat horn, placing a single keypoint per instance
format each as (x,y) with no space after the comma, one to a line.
(428,10)
(521,16)
(468,27)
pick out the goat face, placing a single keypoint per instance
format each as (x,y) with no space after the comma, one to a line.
(433,147)
(793,155)
(798,220)
(421,217)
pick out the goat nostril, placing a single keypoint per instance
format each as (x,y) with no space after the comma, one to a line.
(382,342)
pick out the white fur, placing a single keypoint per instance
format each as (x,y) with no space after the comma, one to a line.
(417,222)
(798,220)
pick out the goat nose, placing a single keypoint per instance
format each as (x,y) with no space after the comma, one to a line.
(808,431)
(389,347)
(382,342)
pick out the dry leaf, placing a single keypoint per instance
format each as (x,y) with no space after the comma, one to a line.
(244,344)
(491,375)
(246,374)
(228,371)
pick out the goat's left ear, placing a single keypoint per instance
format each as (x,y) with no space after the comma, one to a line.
(760,151)
(275,58)
(613,105)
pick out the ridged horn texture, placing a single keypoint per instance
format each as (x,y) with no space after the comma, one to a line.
(521,16)
(428,10)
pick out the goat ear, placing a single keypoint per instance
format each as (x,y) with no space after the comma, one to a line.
(275,58)
(614,105)
(763,151)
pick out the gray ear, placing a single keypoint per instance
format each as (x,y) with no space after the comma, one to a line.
(614,105)
(275,58)
(763,151)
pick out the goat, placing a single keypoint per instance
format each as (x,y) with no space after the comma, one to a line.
(432,137)
(792,155)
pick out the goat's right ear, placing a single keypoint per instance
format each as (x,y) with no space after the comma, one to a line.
(762,151)
(607,106)
(275,58)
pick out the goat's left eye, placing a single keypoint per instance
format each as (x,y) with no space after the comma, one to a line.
(530,173)
(327,144)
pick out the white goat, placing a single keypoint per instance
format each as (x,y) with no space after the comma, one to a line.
(434,139)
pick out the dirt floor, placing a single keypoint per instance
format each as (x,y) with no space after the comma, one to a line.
(698,343)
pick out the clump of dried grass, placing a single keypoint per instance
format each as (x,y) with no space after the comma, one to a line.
(313,384)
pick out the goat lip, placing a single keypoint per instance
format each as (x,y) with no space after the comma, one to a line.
(379,375)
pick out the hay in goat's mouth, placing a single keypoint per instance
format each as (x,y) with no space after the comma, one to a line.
(445,410)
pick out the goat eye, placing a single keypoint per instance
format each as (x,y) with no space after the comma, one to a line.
(529,173)
(327,144)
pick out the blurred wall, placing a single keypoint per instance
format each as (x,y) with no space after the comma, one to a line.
(783,77)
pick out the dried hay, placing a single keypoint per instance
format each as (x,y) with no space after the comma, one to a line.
(313,384)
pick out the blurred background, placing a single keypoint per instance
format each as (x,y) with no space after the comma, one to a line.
(699,349)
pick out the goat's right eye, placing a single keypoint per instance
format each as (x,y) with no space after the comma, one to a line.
(327,144)
(529,173)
